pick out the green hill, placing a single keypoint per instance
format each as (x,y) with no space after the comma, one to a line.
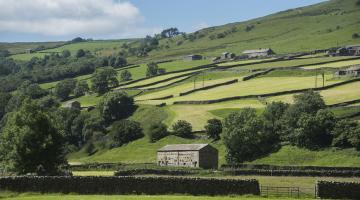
(328,24)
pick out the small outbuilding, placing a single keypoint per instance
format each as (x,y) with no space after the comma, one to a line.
(259,52)
(350,50)
(73,105)
(227,55)
(353,71)
(193,57)
(188,155)
(29,51)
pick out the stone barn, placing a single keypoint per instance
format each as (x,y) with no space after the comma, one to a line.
(259,53)
(227,55)
(188,155)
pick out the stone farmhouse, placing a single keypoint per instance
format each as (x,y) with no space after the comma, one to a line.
(188,155)
(350,50)
(259,53)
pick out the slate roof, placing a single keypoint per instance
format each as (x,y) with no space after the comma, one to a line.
(183,147)
(256,51)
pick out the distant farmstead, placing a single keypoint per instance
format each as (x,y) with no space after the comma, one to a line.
(188,155)
(227,55)
(259,53)
(350,50)
(193,57)
(351,71)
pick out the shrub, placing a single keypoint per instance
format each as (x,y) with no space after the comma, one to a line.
(355,36)
(245,138)
(115,106)
(314,131)
(213,128)
(125,131)
(125,76)
(157,132)
(344,132)
(182,128)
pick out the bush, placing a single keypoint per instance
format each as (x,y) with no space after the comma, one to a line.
(115,106)
(125,76)
(157,132)
(314,131)
(245,138)
(182,128)
(125,131)
(355,36)
(213,128)
(344,132)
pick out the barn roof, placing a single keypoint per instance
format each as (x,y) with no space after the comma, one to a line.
(256,51)
(183,147)
(353,68)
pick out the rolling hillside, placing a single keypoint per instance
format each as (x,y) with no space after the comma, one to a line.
(328,24)
(196,91)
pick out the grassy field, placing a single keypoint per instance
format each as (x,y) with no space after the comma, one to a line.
(256,86)
(290,63)
(335,95)
(20,47)
(165,83)
(97,47)
(335,64)
(198,115)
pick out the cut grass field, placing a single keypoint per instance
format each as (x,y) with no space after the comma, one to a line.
(339,64)
(257,86)
(292,63)
(344,93)
(198,115)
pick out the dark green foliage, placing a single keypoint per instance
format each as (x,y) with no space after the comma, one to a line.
(125,131)
(115,106)
(314,131)
(4,99)
(157,131)
(77,39)
(249,28)
(66,53)
(80,53)
(8,66)
(64,88)
(355,36)
(65,118)
(125,76)
(358,3)
(169,33)
(34,91)
(182,128)
(103,80)
(152,69)
(344,132)
(120,62)
(213,128)
(245,138)
(92,125)
(81,88)
(273,117)
(4,53)
(30,143)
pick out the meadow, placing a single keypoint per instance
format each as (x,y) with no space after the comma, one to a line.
(339,64)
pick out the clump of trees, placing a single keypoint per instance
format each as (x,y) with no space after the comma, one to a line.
(31,143)
(125,76)
(125,131)
(104,80)
(115,106)
(169,33)
(306,124)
